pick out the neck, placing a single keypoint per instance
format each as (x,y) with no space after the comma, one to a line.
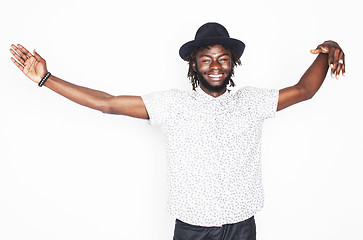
(213,93)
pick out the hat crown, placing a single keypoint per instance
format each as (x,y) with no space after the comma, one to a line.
(211,30)
(209,34)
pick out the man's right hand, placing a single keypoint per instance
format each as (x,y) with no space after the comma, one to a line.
(33,66)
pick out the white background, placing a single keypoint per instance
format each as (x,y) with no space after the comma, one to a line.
(68,172)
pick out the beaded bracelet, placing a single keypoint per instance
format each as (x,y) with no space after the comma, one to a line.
(44,79)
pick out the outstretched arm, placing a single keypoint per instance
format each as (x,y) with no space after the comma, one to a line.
(34,67)
(330,55)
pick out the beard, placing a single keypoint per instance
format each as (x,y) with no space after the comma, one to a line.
(207,85)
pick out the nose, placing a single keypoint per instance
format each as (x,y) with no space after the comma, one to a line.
(215,65)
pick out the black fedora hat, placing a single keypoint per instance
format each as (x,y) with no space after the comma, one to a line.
(210,34)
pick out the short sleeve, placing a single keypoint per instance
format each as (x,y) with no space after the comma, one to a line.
(158,105)
(262,103)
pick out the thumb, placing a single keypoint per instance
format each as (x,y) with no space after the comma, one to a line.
(37,56)
(315,51)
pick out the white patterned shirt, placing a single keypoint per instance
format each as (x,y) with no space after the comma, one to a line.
(214,151)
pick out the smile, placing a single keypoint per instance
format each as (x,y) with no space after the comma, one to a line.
(215,75)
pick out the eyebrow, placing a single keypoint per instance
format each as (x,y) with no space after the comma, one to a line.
(210,56)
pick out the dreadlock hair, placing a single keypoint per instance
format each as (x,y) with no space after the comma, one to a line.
(193,76)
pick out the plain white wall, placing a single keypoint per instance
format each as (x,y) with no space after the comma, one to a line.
(68,172)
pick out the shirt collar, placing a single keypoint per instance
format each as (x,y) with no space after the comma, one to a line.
(206,96)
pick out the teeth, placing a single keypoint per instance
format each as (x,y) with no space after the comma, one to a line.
(215,76)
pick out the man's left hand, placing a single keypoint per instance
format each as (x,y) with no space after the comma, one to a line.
(336,57)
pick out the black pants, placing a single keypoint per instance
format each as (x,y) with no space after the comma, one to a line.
(245,230)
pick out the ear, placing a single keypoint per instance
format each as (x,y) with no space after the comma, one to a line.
(195,66)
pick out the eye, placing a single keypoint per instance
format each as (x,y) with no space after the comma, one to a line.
(224,60)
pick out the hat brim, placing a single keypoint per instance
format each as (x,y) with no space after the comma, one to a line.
(235,45)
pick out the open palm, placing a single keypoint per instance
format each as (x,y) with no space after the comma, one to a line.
(33,66)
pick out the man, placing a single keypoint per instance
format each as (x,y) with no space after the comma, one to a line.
(213,136)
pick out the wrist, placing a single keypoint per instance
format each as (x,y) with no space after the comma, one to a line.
(44,79)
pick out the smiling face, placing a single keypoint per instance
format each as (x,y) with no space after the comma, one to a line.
(213,65)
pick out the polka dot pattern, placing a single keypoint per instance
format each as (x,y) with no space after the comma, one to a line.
(214,151)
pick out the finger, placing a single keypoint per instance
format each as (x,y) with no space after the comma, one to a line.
(17,57)
(336,55)
(315,51)
(19,52)
(336,63)
(343,65)
(331,62)
(25,51)
(14,47)
(332,73)
(337,73)
(17,64)
(340,62)
(16,50)
(37,56)
(323,48)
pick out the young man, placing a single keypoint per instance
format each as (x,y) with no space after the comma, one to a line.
(213,136)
